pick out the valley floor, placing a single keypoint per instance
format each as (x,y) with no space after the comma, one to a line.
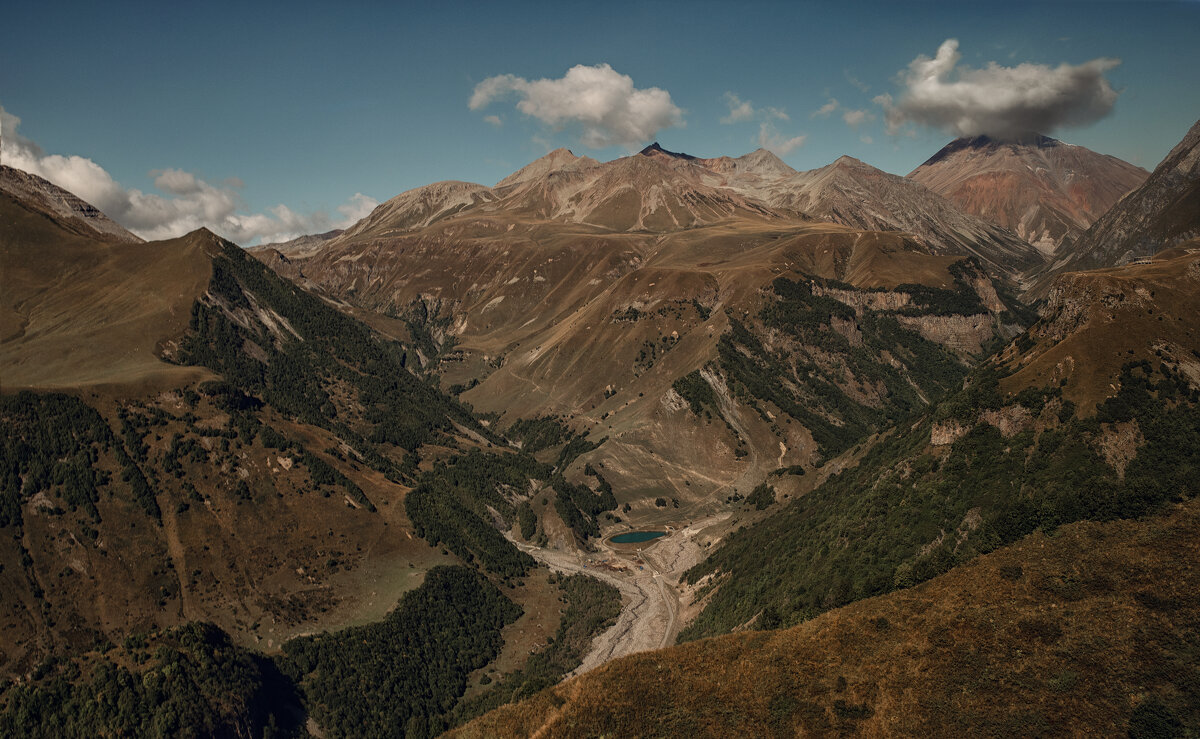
(648,579)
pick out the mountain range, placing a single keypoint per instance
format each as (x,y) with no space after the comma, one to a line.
(371,479)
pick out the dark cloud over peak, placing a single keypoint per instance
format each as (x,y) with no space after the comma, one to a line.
(997,101)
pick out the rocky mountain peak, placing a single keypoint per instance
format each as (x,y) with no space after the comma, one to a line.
(1045,191)
(656,150)
(559,159)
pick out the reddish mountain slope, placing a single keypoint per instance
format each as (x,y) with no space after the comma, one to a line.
(1042,189)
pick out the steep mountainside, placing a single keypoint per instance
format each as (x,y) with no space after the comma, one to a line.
(221,446)
(860,196)
(1162,212)
(1046,191)
(230,448)
(1091,631)
(71,212)
(1094,414)
(77,310)
(532,318)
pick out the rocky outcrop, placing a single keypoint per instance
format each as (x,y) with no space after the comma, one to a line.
(861,300)
(1118,444)
(960,333)
(1009,420)
(947,432)
(1075,297)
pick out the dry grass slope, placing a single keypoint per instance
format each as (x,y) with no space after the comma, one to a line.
(1093,631)
(76,311)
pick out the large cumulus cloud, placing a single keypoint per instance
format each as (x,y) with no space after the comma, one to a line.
(997,101)
(186,202)
(602,101)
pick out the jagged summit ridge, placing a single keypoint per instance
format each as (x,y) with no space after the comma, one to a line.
(655,148)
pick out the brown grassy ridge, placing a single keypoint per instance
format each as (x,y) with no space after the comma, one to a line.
(1097,321)
(1094,630)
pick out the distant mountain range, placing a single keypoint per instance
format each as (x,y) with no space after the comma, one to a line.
(1045,191)
(1011,205)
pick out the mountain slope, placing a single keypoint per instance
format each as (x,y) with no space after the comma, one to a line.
(536,317)
(228,448)
(86,310)
(1002,643)
(860,196)
(66,208)
(1091,415)
(1046,191)
(1009,645)
(585,291)
(1162,212)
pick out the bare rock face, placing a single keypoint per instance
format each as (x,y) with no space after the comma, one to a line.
(880,301)
(1046,191)
(1118,444)
(966,334)
(947,432)
(1009,420)
(69,210)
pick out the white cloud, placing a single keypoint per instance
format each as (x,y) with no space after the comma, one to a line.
(768,136)
(189,203)
(855,118)
(743,110)
(826,109)
(599,99)
(862,86)
(495,120)
(772,140)
(176,182)
(998,101)
(739,110)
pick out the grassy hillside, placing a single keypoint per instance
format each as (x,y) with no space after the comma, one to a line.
(76,312)
(1091,631)
(913,509)
(259,482)
(1009,453)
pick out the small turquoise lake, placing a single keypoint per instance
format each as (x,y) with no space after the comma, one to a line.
(636,537)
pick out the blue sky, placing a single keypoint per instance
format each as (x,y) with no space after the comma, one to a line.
(306,105)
